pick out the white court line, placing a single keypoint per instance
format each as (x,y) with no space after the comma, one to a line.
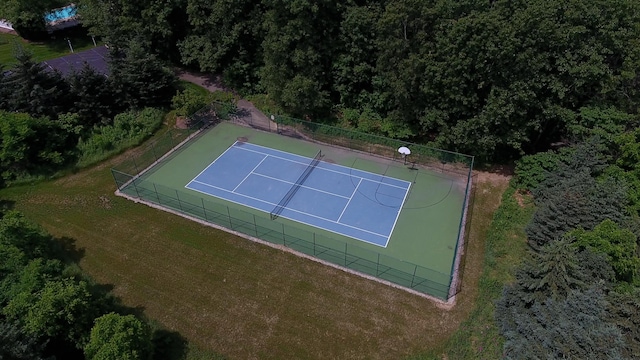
(350,198)
(205,169)
(290,209)
(302,186)
(249,174)
(348,170)
(398,214)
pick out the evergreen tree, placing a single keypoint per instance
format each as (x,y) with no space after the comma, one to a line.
(624,310)
(95,103)
(575,327)
(36,90)
(140,80)
(571,196)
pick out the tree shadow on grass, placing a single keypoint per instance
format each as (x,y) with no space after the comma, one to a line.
(169,345)
(6,205)
(68,250)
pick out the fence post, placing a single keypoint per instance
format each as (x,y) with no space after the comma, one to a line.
(204,210)
(345,254)
(415,267)
(115,179)
(136,189)
(378,265)
(153,150)
(179,202)
(255,225)
(229,215)
(284,237)
(157,193)
(135,165)
(314,244)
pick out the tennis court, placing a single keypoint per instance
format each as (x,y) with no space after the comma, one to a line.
(94,58)
(378,216)
(350,202)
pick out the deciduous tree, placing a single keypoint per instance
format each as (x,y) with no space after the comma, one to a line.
(116,336)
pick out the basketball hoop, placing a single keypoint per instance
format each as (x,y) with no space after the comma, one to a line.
(404,151)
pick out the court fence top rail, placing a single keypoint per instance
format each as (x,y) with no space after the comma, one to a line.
(127,176)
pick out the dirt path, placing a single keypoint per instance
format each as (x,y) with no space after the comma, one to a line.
(213,83)
(497,176)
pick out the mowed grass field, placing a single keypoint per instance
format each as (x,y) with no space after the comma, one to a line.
(241,299)
(41,51)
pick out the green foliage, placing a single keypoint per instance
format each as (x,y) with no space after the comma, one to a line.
(605,123)
(189,100)
(496,79)
(35,90)
(116,336)
(618,244)
(552,273)
(16,345)
(531,170)
(478,336)
(95,102)
(158,24)
(571,196)
(573,327)
(128,129)
(63,308)
(140,80)
(28,238)
(624,309)
(225,37)
(30,145)
(296,53)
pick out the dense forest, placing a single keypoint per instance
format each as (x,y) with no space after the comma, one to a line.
(495,79)
(551,84)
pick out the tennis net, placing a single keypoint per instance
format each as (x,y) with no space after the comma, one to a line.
(289,195)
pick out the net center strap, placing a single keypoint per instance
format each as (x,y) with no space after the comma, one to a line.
(292,191)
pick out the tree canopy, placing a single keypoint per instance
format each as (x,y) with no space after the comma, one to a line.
(495,79)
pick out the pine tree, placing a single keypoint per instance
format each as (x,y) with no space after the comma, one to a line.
(140,80)
(36,90)
(95,103)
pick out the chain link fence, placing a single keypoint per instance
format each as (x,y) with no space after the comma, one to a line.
(129,182)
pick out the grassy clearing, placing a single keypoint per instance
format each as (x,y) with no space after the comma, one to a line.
(51,49)
(244,300)
(185,85)
(478,336)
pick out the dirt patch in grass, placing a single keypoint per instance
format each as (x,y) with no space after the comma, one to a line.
(239,298)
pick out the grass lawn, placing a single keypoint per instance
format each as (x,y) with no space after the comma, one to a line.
(228,295)
(43,50)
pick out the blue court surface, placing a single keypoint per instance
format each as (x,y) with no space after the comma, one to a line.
(347,201)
